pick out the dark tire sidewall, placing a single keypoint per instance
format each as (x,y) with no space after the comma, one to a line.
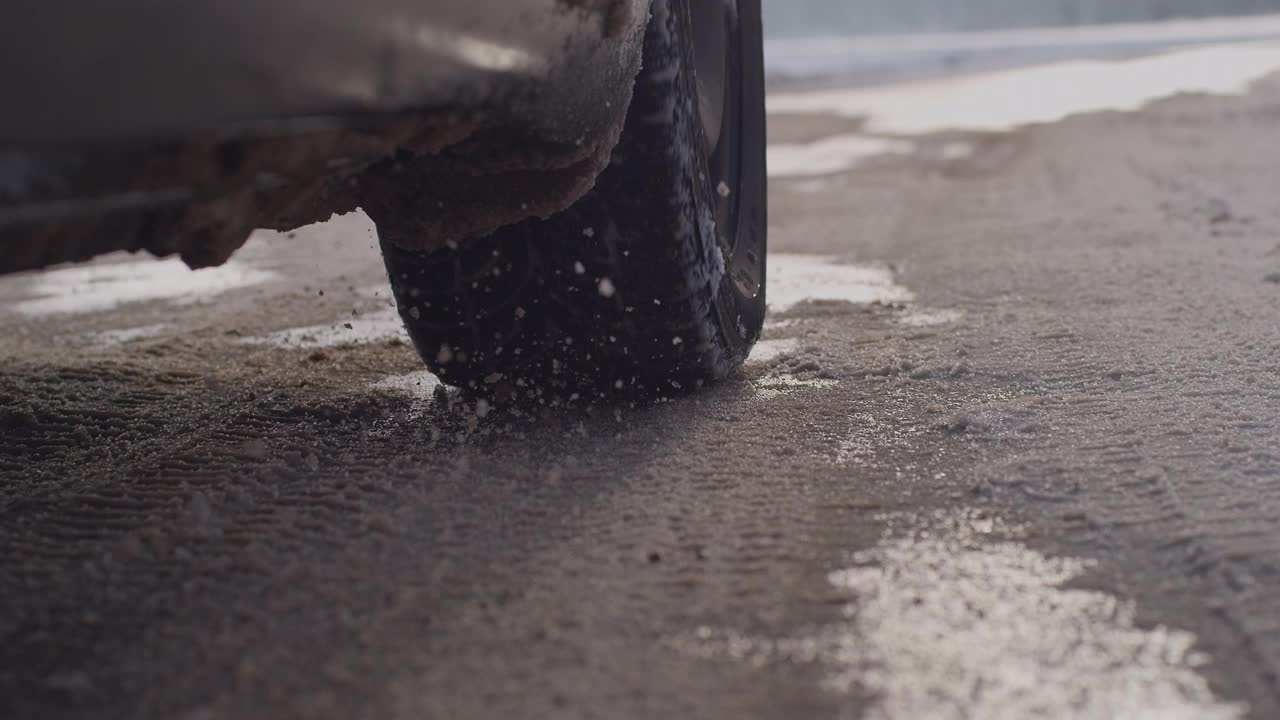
(678,317)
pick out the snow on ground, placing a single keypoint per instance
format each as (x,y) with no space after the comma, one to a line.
(794,279)
(890,58)
(100,287)
(1074,83)
(951,616)
(378,326)
(1001,101)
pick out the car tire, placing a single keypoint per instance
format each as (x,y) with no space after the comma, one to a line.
(654,282)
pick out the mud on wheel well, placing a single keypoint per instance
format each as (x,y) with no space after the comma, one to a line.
(425,179)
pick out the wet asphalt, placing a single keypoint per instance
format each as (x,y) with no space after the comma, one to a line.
(1010,449)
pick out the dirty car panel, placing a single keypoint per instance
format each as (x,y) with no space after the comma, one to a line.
(179,127)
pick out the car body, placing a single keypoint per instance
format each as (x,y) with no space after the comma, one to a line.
(569,195)
(179,126)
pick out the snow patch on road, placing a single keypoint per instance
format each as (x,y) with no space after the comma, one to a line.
(831,155)
(777,386)
(957,150)
(794,279)
(1002,101)
(807,187)
(840,153)
(924,317)
(948,618)
(420,384)
(115,338)
(420,387)
(868,437)
(100,287)
(766,351)
(888,58)
(378,326)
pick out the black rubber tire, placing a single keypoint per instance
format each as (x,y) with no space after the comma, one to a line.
(633,290)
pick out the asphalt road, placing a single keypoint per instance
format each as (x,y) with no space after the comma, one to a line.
(1011,449)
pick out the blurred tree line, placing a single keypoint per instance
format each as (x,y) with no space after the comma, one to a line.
(887,16)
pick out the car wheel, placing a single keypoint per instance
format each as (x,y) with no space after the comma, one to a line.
(652,283)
